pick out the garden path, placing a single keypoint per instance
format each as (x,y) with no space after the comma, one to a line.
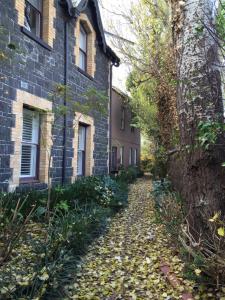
(126,262)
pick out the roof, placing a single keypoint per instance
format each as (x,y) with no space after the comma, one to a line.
(75,8)
(121,93)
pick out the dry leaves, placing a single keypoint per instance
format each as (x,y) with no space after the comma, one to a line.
(125,263)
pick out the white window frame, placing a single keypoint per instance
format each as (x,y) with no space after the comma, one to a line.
(81,150)
(83,55)
(33,143)
(121,155)
(135,157)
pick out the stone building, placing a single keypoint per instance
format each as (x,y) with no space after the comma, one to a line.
(125,138)
(46,44)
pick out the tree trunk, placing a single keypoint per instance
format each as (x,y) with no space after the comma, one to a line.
(196,172)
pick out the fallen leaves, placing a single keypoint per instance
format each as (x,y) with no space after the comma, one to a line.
(125,263)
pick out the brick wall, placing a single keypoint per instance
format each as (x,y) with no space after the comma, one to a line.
(36,70)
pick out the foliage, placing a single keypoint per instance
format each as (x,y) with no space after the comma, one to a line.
(143,105)
(208,132)
(147,162)
(220,24)
(159,168)
(151,81)
(128,175)
(168,206)
(202,252)
(93,101)
(206,253)
(40,257)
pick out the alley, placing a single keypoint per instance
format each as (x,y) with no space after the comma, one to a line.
(126,262)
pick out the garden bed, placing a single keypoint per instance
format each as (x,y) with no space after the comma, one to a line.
(40,248)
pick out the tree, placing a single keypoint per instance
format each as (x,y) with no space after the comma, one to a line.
(200,176)
(152,80)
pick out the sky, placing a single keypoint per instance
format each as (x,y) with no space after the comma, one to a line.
(110,11)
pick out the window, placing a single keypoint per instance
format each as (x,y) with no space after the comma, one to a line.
(132,128)
(122,155)
(135,157)
(130,156)
(30,144)
(114,158)
(81,155)
(83,49)
(33,16)
(122,124)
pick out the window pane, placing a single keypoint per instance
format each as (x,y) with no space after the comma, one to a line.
(30,140)
(80,163)
(30,126)
(81,138)
(82,61)
(27,126)
(28,160)
(32,20)
(121,155)
(83,39)
(130,157)
(81,151)
(135,156)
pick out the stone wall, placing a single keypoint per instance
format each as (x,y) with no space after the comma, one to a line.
(36,70)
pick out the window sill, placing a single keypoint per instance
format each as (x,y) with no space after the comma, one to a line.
(28,180)
(85,74)
(35,38)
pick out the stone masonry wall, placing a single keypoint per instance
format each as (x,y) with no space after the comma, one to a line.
(37,70)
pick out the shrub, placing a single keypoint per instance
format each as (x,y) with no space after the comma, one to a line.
(128,175)
(159,168)
(169,207)
(51,247)
(203,251)
(147,163)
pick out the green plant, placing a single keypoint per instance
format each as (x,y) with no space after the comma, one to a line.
(51,248)
(220,23)
(169,207)
(208,132)
(159,168)
(128,175)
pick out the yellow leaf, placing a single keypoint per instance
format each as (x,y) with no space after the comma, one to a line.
(214,218)
(221,231)
(44,276)
(198,272)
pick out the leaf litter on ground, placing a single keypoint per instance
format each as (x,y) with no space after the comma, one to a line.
(125,263)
